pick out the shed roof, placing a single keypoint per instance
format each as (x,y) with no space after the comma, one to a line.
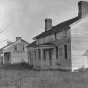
(33,44)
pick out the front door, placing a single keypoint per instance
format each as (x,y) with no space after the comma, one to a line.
(48,55)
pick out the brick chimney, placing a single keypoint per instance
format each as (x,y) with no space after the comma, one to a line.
(17,38)
(83,8)
(48,24)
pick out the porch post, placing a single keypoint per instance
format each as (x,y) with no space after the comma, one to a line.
(37,58)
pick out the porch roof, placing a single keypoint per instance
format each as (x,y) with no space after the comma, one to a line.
(33,44)
(48,44)
(55,43)
(52,43)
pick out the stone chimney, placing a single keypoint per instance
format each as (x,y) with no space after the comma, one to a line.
(83,8)
(17,38)
(48,24)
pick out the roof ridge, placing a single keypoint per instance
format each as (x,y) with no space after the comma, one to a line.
(58,28)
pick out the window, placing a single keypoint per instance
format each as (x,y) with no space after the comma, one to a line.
(39,52)
(65,49)
(23,47)
(15,48)
(56,52)
(44,54)
(35,53)
(50,56)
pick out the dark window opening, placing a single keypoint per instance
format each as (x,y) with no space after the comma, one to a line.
(50,57)
(35,53)
(44,54)
(15,48)
(56,52)
(39,54)
(65,49)
(23,48)
(7,56)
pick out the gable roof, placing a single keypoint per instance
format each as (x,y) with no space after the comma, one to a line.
(24,41)
(58,28)
(13,43)
(6,46)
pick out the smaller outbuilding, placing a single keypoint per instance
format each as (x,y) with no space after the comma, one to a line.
(14,52)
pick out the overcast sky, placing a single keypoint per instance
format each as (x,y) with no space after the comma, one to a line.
(25,18)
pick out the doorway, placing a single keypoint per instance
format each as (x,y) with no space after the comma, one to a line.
(7,57)
(50,56)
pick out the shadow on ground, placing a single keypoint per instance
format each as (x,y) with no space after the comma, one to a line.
(16,66)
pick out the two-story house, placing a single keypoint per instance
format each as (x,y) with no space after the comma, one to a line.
(52,48)
(63,46)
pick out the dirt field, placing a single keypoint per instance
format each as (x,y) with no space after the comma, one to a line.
(25,78)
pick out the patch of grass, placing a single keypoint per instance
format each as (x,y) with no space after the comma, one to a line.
(44,79)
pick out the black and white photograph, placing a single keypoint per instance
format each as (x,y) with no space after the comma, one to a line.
(43,43)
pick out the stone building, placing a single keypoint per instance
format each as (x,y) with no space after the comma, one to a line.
(63,46)
(14,52)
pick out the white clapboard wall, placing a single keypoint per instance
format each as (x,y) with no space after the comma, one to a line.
(79,44)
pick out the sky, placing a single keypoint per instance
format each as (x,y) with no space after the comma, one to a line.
(25,18)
